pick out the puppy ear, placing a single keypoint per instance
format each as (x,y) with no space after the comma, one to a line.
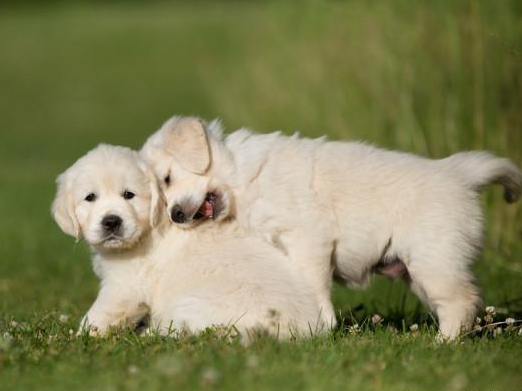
(156,196)
(187,141)
(62,209)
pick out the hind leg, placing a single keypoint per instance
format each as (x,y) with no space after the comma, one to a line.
(440,276)
(440,251)
(449,291)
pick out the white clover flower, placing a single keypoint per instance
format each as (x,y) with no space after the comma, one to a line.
(414,327)
(13,324)
(133,369)
(490,310)
(393,330)
(71,332)
(459,382)
(6,341)
(169,365)
(252,361)
(210,376)
(478,320)
(63,318)
(7,336)
(488,319)
(477,327)
(510,321)
(354,329)
(376,319)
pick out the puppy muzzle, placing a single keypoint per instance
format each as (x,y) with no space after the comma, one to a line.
(184,213)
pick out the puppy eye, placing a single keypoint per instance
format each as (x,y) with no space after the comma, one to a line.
(90,197)
(128,195)
(167,180)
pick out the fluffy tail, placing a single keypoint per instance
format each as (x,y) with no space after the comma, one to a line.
(483,168)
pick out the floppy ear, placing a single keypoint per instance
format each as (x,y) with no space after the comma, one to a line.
(62,209)
(156,196)
(187,142)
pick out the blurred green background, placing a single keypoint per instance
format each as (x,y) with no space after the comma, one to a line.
(426,77)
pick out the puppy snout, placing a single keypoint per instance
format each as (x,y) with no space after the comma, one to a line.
(111,223)
(177,215)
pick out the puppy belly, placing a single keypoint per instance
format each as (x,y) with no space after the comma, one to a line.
(393,270)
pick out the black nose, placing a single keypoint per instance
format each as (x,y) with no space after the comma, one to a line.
(177,215)
(111,223)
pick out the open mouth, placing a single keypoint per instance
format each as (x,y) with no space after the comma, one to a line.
(207,208)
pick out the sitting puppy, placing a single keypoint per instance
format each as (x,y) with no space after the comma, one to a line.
(346,206)
(183,280)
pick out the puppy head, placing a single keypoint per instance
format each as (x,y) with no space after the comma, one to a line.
(187,157)
(109,196)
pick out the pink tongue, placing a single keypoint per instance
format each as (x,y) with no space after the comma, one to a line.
(207,209)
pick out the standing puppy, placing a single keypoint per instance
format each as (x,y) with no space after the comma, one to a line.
(339,205)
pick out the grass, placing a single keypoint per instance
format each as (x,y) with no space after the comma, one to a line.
(375,359)
(427,77)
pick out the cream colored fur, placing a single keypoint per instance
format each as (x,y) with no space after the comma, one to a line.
(185,280)
(346,207)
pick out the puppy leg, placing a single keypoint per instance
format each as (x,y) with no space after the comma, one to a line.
(311,264)
(439,252)
(116,305)
(450,293)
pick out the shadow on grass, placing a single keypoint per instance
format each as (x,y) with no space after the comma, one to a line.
(401,319)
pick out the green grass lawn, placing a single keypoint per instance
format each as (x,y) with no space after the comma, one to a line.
(426,77)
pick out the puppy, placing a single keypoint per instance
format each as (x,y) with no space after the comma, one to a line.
(346,206)
(182,280)
(109,198)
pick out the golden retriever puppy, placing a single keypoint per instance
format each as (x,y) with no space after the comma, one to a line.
(343,206)
(220,276)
